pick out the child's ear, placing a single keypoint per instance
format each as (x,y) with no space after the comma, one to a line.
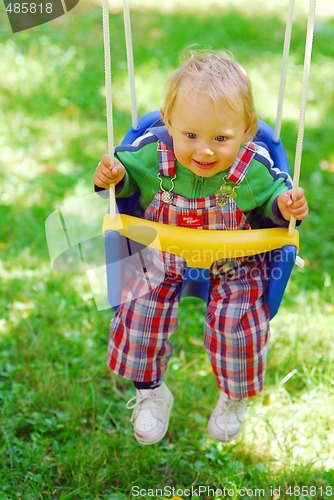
(247,137)
(251,130)
(167,122)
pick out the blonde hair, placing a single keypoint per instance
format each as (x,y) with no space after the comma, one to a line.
(217,75)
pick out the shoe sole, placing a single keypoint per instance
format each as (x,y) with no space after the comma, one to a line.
(156,440)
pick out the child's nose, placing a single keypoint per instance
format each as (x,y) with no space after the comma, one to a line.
(205,149)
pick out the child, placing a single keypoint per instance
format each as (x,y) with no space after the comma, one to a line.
(181,168)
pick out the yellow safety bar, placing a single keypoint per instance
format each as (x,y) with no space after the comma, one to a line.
(200,247)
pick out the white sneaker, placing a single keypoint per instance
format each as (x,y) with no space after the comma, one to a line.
(227,418)
(151,409)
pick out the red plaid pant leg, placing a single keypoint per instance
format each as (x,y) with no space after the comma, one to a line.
(139,348)
(237,330)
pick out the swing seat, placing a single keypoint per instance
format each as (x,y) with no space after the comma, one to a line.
(280,247)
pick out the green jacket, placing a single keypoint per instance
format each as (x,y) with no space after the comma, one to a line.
(256,196)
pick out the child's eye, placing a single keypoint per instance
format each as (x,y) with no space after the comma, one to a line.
(221,138)
(190,135)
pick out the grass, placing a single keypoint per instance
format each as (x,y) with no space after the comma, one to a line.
(65,432)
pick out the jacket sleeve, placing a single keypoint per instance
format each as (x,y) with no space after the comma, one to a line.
(137,159)
(103,192)
(267,183)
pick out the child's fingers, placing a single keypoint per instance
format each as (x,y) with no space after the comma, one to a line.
(106,161)
(294,204)
(298,199)
(286,198)
(104,172)
(103,175)
(107,173)
(300,211)
(299,194)
(117,170)
(299,208)
(100,179)
(111,167)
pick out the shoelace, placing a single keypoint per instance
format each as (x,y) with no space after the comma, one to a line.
(229,406)
(233,406)
(138,400)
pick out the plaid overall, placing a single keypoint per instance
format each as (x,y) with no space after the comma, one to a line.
(236,326)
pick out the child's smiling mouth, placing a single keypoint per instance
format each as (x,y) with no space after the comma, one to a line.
(205,165)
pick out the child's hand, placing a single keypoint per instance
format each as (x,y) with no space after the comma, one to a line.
(107,173)
(295,206)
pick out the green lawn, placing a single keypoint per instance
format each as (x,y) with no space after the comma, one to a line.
(65,432)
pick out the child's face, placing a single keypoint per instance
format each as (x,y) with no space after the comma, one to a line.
(207,137)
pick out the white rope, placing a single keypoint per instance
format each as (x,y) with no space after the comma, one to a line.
(285,58)
(306,73)
(109,111)
(131,72)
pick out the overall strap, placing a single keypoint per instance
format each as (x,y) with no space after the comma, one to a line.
(239,168)
(236,173)
(166,160)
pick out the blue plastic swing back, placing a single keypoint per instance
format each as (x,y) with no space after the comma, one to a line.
(196,283)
